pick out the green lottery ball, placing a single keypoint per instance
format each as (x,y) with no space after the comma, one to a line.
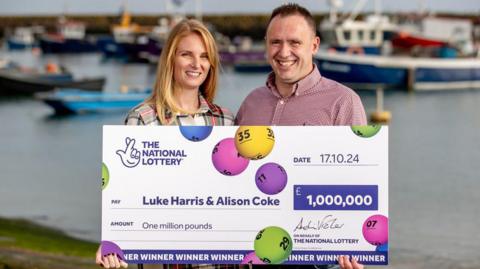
(273,245)
(105,176)
(366,130)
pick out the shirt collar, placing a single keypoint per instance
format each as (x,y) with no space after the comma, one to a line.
(300,87)
(205,107)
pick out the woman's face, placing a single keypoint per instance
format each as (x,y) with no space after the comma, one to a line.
(191,62)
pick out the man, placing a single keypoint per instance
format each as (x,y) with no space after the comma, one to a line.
(295,92)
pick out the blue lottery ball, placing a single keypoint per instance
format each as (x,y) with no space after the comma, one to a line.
(382,248)
(196,133)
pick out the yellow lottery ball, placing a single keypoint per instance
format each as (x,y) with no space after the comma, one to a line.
(254,142)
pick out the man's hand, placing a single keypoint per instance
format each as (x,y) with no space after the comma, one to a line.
(130,157)
(109,261)
(344,262)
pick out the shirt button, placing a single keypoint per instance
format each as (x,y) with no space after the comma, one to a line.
(282,102)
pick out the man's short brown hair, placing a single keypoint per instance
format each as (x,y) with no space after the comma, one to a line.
(294,9)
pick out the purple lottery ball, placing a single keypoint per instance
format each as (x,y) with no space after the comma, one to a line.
(271,178)
(251,258)
(226,158)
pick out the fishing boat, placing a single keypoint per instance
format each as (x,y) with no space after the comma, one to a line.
(69,38)
(24,37)
(349,34)
(130,41)
(27,81)
(422,64)
(420,74)
(72,101)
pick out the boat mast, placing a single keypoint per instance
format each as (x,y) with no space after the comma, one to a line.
(356,10)
(334,6)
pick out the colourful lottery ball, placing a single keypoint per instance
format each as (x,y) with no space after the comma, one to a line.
(196,133)
(251,258)
(271,178)
(105,176)
(254,142)
(226,158)
(382,248)
(375,230)
(273,245)
(366,130)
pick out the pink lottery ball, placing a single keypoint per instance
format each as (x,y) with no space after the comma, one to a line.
(251,258)
(226,159)
(375,230)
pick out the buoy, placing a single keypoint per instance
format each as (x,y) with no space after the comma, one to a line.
(380,115)
(52,68)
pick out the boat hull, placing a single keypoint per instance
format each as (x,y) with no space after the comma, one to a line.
(70,101)
(370,72)
(13,82)
(49,45)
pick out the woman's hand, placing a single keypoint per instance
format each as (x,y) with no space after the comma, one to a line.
(109,261)
(345,263)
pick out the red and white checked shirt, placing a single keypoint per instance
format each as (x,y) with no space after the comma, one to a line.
(315,100)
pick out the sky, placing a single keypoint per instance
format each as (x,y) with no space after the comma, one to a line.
(152,7)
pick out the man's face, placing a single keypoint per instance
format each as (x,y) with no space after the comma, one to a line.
(291,44)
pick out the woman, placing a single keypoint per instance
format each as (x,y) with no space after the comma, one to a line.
(185,86)
(186,82)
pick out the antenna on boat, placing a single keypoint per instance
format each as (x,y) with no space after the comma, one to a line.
(356,10)
(334,6)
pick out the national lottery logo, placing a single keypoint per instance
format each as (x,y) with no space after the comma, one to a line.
(130,156)
(148,153)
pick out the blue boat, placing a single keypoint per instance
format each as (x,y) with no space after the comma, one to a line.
(72,101)
(24,37)
(420,74)
(70,38)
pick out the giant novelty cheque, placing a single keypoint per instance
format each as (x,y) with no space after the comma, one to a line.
(249,194)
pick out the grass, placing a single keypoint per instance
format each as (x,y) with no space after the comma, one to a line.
(24,244)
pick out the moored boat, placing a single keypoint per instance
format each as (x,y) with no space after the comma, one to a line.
(70,38)
(19,81)
(69,100)
(24,37)
(371,71)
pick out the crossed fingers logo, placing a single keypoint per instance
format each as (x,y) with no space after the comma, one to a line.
(130,157)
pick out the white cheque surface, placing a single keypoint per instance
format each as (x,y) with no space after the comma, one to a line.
(164,201)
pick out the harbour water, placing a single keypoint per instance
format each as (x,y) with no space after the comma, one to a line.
(50,165)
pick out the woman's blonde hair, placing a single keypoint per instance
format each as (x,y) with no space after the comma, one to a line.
(163,92)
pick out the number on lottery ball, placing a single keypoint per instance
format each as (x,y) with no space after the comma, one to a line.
(273,245)
(366,130)
(375,230)
(226,160)
(271,178)
(254,142)
(196,133)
